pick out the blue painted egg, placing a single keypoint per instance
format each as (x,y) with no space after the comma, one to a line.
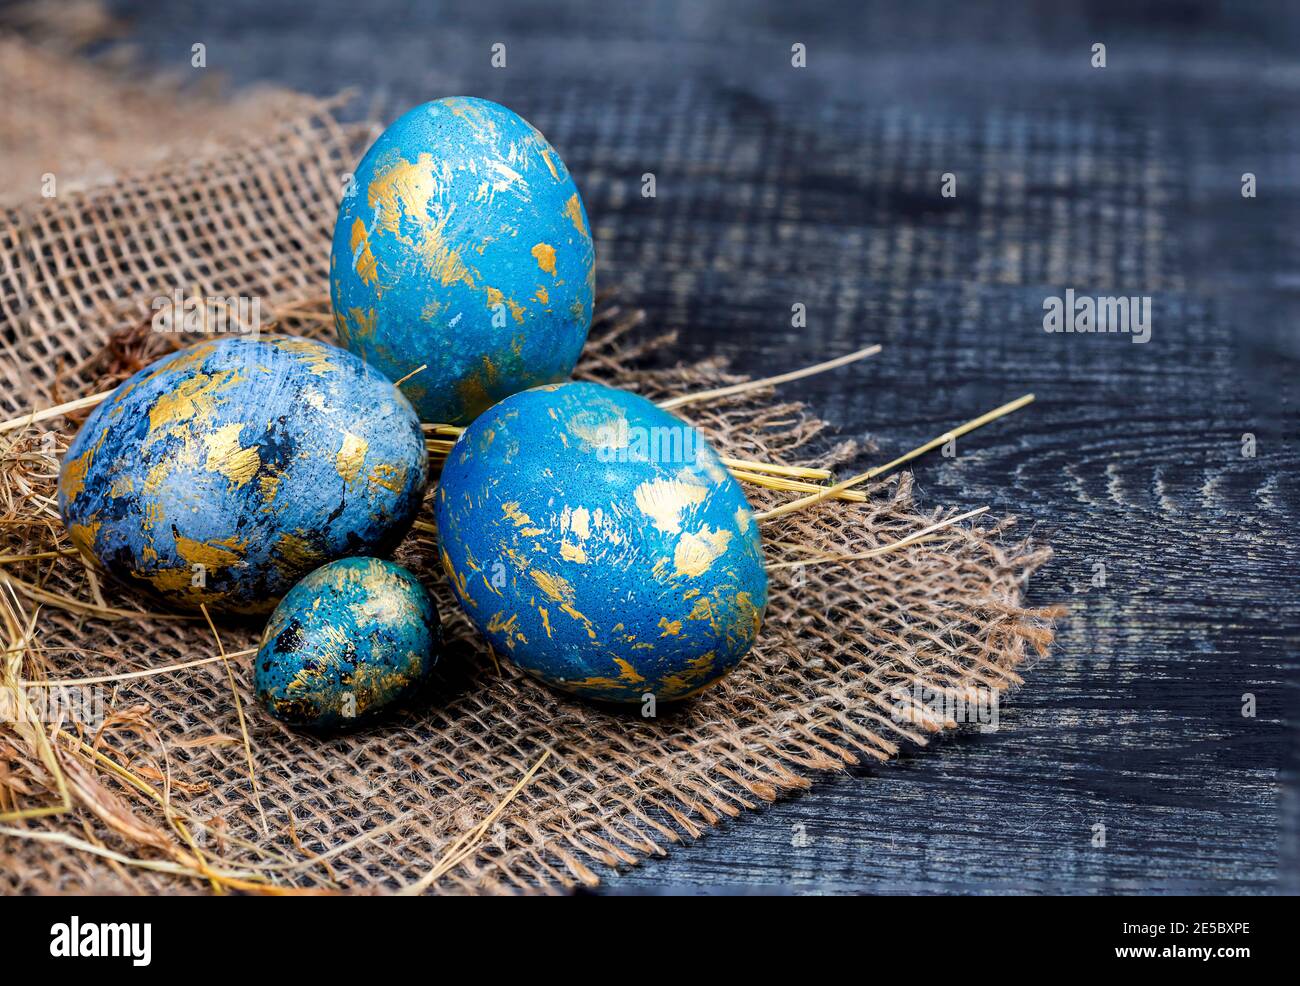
(462,243)
(600,543)
(223,473)
(345,643)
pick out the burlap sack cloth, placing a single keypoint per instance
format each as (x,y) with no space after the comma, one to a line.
(843,644)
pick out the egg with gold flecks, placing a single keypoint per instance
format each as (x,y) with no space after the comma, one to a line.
(599,543)
(346,643)
(223,473)
(462,245)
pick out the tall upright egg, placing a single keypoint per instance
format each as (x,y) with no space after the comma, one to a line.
(462,245)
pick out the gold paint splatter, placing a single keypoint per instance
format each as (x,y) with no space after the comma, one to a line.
(316,355)
(73,478)
(269,483)
(155,477)
(495,298)
(210,554)
(627,675)
(227,457)
(83,537)
(191,399)
(153,514)
(188,359)
(696,552)
(573,553)
(550,165)
(587,624)
(696,675)
(580,523)
(407,190)
(748,618)
(497,624)
(670,628)
(544,254)
(171,580)
(483,126)
(351,457)
(627,672)
(390,477)
(664,500)
(458,579)
(560,591)
(367,269)
(517,516)
(573,209)
(295,553)
(555,586)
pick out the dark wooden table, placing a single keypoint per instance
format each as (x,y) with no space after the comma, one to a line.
(821,185)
